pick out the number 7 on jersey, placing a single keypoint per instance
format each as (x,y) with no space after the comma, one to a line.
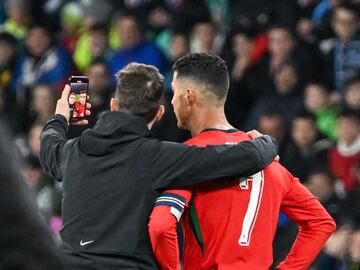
(253,206)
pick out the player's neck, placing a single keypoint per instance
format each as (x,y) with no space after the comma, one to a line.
(208,117)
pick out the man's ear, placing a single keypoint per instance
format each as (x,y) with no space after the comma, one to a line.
(190,96)
(160,113)
(114,105)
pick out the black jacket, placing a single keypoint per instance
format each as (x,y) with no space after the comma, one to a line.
(111,176)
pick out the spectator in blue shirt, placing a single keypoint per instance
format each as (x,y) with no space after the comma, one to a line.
(135,46)
(43,63)
(342,53)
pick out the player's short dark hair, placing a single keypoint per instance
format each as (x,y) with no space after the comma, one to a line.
(206,69)
(139,89)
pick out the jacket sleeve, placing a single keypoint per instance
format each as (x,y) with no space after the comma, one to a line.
(52,140)
(178,165)
(316,226)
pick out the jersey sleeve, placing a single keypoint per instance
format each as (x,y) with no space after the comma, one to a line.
(162,227)
(315,226)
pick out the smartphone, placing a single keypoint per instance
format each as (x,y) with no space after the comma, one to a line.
(79,86)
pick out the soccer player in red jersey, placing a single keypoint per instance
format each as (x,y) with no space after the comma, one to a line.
(230,225)
(80,106)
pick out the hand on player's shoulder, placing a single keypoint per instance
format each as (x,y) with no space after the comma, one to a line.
(254,134)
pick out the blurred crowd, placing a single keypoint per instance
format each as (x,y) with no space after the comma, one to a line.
(295,74)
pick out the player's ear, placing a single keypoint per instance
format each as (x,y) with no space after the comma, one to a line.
(160,113)
(114,105)
(190,96)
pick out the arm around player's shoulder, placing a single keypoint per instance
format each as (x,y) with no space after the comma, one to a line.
(179,165)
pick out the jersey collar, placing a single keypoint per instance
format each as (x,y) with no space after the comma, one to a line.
(230,130)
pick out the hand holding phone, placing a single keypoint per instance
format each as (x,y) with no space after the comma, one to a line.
(63,107)
(78,95)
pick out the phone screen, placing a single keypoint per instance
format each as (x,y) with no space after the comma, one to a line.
(78,97)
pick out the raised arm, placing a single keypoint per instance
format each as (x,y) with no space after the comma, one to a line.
(179,165)
(54,136)
(52,141)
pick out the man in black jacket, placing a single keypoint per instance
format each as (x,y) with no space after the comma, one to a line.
(112,173)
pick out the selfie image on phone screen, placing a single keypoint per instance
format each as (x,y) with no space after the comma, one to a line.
(77,97)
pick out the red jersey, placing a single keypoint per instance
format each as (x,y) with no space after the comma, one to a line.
(231,225)
(79,109)
(344,167)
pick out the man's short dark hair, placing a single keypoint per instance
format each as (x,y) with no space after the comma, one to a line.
(207,69)
(8,38)
(102,62)
(353,8)
(351,82)
(348,114)
(139,89)
(99,28)
(319,169)
(283,27)
(135,16)
(304,114)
